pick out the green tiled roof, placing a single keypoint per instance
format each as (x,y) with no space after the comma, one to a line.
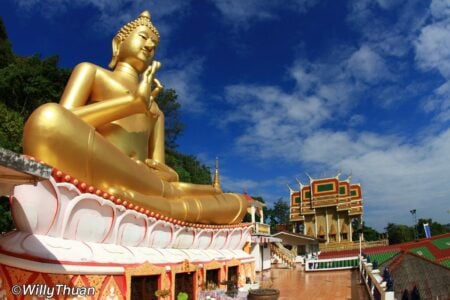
(423,251)
(446,263)
(443,243)
(382,257)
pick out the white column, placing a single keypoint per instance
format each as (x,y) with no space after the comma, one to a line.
(253,210)
(326,224)
(350,229)
(261,213)
(338,228)
(315,226)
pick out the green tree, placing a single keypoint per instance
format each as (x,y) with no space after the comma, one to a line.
(28,82)
(370,234)
(6,223)
(11,128)
(188,167)
(278,214)
(399,233)
(168,102)
(435,228)
(6,54)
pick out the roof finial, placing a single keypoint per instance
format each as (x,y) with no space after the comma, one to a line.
(349,176)
(216,183)
(299,183)
(290,189)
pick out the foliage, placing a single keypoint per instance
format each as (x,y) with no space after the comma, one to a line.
(6,54)
(162,293)
(435,228)
(6,223)
(399,233)
(403,233)
(25,83)
(188,167)
(370,234)
(11,127)
(168,103)
(182,296)
(279,214)
(28,82)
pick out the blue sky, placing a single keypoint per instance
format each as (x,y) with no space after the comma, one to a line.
(279,88)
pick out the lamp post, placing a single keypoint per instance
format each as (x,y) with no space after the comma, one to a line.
(360,231)
(413,213)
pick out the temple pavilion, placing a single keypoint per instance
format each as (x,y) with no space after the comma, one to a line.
(325,209)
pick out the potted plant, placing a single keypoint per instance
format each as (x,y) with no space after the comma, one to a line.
(162,293)
(232,289)
(265,292)
(182,296)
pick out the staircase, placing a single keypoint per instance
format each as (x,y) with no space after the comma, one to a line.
(278,250)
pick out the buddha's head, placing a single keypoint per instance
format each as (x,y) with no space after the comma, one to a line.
(135,43)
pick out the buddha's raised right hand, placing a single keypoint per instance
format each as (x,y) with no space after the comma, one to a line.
(145,93)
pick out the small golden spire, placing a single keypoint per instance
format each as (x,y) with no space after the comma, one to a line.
(216,183)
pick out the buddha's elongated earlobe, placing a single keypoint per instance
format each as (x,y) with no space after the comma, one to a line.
(115,50)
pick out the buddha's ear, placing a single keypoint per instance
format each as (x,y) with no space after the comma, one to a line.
(115,50)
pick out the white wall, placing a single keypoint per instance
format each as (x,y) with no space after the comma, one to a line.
(262,257)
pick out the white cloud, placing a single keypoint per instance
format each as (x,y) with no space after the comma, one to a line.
(439,103)
(396,175)
(433,53)
(324,92)
(183,75)
(324,146)
(433,48)
(440,9)
(383,34)
(402,176)
(242,13)
(356,120)
(238,185)
(112,14)
(387,4)
(367,65)
(263,188)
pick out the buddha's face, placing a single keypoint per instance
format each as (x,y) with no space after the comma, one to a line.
(138,49)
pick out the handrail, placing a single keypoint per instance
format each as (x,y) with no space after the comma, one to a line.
(284,254)
(352,245)
(374,282)
(342,263)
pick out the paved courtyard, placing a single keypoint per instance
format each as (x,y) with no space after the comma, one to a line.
(297,284)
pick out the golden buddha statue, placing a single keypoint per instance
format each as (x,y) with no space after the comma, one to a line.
(108,131)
